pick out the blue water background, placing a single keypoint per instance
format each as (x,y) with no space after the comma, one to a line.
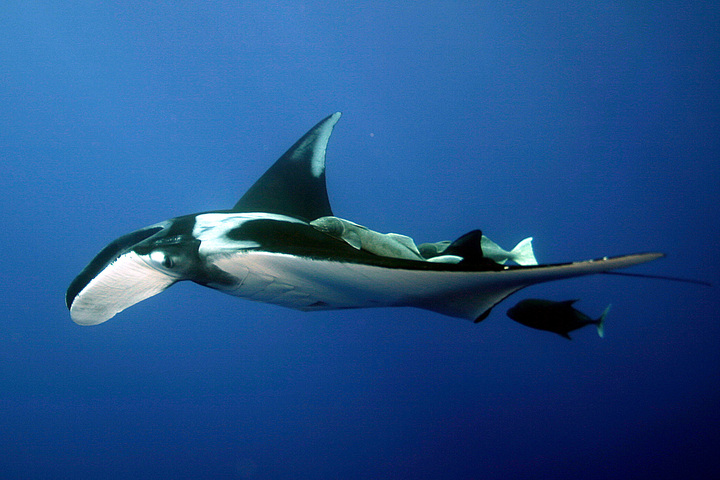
(592,126)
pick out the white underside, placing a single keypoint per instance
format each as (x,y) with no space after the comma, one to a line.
(308,284)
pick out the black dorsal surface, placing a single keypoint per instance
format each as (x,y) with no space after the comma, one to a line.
(295,184)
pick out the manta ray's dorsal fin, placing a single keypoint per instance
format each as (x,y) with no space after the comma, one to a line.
(295,184)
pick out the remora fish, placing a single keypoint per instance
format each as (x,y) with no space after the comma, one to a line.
(266,249)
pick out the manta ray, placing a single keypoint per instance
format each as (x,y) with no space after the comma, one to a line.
(281,244)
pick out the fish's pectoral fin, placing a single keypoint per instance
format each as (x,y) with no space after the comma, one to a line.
(353,239)
(406,242)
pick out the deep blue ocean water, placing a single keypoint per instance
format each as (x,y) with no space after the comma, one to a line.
(592,126)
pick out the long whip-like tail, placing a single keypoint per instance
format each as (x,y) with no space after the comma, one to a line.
(661,277)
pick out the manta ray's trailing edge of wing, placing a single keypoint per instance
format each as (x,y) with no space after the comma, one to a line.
(274,247)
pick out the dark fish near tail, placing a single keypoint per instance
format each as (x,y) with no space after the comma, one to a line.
(556,317)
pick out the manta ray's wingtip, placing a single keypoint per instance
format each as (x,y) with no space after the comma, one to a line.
(326,126)
(647,257)
(329,121)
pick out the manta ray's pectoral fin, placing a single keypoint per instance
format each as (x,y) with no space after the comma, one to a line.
(295,184)
(471,295)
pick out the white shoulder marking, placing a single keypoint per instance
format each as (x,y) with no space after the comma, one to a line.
(227,221)
(212,229)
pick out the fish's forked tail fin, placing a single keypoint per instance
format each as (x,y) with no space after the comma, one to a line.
(523,253)
(601,322)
